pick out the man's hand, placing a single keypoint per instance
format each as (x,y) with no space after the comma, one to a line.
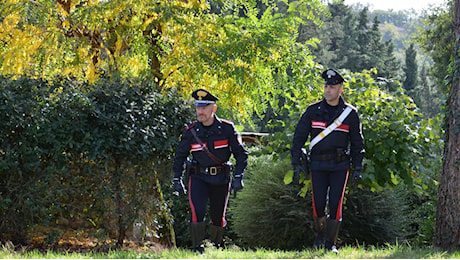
(237,184)
(296,176)
(356,177)
(178,186)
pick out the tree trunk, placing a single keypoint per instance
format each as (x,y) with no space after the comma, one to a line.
(447,234)
(165,219)
(153,34)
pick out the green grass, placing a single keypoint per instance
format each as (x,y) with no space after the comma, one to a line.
(348,252)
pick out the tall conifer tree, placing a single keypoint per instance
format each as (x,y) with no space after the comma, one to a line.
(411,69)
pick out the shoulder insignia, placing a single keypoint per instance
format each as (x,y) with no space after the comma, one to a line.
(190,126)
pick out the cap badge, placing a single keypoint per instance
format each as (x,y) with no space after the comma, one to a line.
(201,94)
(330,73)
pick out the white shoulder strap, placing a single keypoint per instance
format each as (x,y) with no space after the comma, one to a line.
(338,121)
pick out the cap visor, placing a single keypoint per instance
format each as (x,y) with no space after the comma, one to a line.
(331,82)
(203,103)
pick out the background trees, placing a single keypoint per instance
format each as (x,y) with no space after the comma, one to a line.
(350,40)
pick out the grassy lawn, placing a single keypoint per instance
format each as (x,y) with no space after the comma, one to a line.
(389,251)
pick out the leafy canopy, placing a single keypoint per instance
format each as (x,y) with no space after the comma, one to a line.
(241,50)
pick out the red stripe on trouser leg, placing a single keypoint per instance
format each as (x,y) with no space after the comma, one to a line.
(224,221)
(338,215)
(192,207)
(315,214)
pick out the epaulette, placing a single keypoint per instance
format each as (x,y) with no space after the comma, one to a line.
(315,103)
(190,126)
(351,106)
(226,121)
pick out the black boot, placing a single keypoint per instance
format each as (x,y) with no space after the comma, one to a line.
(332,232)
(320,232)
(217,235)
(197,231)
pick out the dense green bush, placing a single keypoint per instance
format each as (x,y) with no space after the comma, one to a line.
(420,215)
(21,190)
(268,213)
(374,218)
(390,215)
(88,155)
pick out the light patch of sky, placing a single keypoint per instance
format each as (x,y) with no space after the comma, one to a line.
(398,5)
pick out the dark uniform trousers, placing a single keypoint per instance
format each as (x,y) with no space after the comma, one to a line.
(200,192)
(335,181)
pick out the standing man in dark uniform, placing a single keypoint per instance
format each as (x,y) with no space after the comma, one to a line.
(211,141)
(330,152)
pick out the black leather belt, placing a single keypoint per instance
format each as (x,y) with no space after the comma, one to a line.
(213,170)
(340,156)
(323,157)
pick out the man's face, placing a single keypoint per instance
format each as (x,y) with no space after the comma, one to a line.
(332,92)
(205,115)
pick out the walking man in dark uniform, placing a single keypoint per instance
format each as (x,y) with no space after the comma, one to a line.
(335,136)
(211,141)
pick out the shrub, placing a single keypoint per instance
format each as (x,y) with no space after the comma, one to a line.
(268,213)
(92,155)
(374,218)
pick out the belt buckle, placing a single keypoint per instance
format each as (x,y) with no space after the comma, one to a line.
(212,170)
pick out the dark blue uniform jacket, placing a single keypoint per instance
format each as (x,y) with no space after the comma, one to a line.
(346,136)
(222,140)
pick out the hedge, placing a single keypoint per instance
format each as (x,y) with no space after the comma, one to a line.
(75,156)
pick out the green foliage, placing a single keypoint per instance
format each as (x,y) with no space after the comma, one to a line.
(428,96)
(180,210)
(98,153)
(399,144)
(241,50)
(421,215)
(375,218)
(406,28)
(398,26)
(435,38)
(21,190)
